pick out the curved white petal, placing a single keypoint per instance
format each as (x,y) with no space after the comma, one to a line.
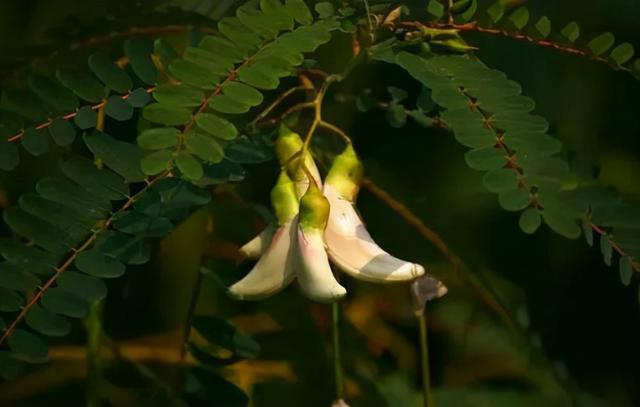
(302,184)
(256,246)
(353,250)
(312,267)
(272,273)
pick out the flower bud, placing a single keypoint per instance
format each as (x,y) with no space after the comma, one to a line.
(346,173)
(284,199)
(314,210)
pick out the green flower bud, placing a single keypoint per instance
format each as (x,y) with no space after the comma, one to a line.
(283,199)
(346,173)
(289,144)
(314,210)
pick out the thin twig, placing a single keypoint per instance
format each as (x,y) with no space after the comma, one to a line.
(427,395)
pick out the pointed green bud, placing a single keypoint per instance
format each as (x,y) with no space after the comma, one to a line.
(288,144)
(314,210)
(346,173)
(283,199)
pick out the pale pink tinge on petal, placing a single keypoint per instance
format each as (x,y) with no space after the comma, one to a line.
(312,267)
(353,250)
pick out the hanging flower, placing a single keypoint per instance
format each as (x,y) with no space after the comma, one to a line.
(350,246)
(314,226)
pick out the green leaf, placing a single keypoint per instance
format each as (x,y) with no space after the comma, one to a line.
(622,53)
(9,156)
(159,138)
(127,249)
(205,147)
(30,257)
(217,388)
(62,132)
(14,278)
(139,98)
(73,222)
(102,182)
(544,27)
(520,17)
(226,104)
(138,224)
(225,335)
(166,115)
(157,162)
(606,249)
(109,73)
(571,31)
(530,221)
(500,180)
(87,287)
(65,303)
(193,74)
(325,9)
(35,142)
(63,191)
(97,264)
(249,151)
(298,10)
(496,11)
(514,200)
(27,347)
(617,215)
(189,166)
(435,8)
(485,159)
(83,85)
(275,11)
(178,96)
(86,118)
(10,301)
(243,94)
(587,231)
(602,43)
(42,233)
(626,270)
(139,52)
(46,322)
(118,109)
(216,126)
(468,14)
(244,39)
(53,93)
(121,157)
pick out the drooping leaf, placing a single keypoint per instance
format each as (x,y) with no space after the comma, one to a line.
(27,347)
(97,264)
(530,221)
(87,287)
(626,270)
(46,322)
(9,156)
(86,118)
(118,109)
(121,157)
(139,51)
(63,302)
(62,132)
(109,73)
(35,142)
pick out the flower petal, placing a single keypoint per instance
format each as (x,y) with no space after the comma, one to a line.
(272,273)
(256,246)
(312,267)
(353,250)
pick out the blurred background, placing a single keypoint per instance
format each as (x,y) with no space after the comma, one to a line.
(530,321)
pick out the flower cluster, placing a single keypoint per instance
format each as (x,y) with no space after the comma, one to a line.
(316,223)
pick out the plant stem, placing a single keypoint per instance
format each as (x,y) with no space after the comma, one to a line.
(197,285)
(424,359)
(94,361)
(337,357)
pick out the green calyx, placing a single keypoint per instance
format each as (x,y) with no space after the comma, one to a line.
(314,210)
(283,198)
(346,173)
(289,144)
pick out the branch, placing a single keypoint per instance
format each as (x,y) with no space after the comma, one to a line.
(474,27)
(74,254)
